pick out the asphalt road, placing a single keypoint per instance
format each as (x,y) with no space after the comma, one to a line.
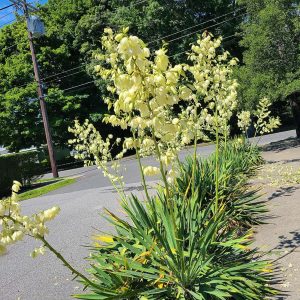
(81,203)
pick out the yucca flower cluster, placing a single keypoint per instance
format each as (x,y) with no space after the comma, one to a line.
(244,120)
(14,225)
(265,123)
(165,106)
(92,148)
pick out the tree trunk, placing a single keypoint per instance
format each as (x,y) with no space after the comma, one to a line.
(295,105)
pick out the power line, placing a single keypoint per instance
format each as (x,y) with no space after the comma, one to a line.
(74,73)
(79,85)
(53,75)
(12,46)
(2,17)
(20,3)
(64,77)
(211,26)
(185,52)
(5,7)
(9,22)
(45,82)
(140,2)
(6,23)
(84,64)
(194,26)
(148,43)
(92,81)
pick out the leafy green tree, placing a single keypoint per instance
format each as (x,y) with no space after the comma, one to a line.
(176,22)
(21,124)
(73,33)
(271,38)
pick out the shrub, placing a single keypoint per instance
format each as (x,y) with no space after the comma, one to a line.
(64,159)
(235,163)
(22,166)
(176,250)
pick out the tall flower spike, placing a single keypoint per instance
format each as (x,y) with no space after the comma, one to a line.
(14,225)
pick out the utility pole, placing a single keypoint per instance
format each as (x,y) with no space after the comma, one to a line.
(39,90)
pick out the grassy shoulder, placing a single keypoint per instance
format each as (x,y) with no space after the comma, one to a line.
(49,186)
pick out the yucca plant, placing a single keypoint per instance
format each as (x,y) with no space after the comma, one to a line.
(177,251)
(245,157)
(235,164)
(181,242)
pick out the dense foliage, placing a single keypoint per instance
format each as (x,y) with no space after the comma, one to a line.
(21,123)
(21,166)
(237,162)
(271,56)
(181,248)
(72,34)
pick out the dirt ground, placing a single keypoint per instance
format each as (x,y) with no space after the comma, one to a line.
(280,237)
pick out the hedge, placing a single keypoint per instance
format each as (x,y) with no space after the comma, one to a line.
(23,166)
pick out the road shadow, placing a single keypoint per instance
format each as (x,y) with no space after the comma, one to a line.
(284,192)
(292,241)
(282,145)
(282,162)
(136,188)
(287,245)
(289,242)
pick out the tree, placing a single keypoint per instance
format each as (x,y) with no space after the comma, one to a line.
(21,124)
(271,38)
(73,33)
(176,22)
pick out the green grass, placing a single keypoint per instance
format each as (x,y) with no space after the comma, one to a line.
(36,192)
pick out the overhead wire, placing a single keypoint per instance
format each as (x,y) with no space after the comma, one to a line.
(140,2)
(5,7)
(172,40)
(79,85)
(204,29)
(58,79)
(150,43)
(9,22)
(65,71)
(92,81)
(3,24)
(74,87)
(89,82)
(185,52)
(6,23)
(194,26)
(2,17)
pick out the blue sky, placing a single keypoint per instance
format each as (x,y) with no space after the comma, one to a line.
(4,19)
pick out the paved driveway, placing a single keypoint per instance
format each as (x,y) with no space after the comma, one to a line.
(22,277)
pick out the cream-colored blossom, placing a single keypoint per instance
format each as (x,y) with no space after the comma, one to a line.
(244,120)
(93,149)
(161,60)
(265,123)
(165,107)
(151,171)
(38,251)
(16,186)
(51,213)
(14,225)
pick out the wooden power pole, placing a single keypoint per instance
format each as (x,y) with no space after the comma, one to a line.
(24,4)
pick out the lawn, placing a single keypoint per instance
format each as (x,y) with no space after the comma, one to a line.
(43,187)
